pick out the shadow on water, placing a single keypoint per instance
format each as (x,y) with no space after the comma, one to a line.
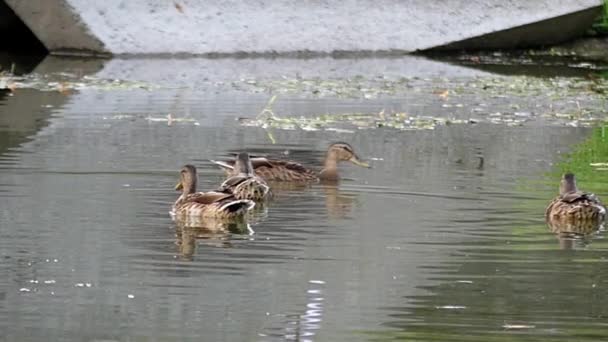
(25,114)
(512,63)
(18,64)
(26,111)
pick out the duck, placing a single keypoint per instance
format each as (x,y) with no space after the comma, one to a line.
(212,204)
(573,205)
(245,184)
(273,170)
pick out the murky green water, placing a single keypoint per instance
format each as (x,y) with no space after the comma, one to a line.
(442,240)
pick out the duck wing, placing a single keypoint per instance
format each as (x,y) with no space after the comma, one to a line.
(573,197)
(209,197)
(233,182)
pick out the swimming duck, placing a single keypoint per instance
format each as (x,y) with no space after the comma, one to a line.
(289,171)
(212,204)
(573,205)
(245,184)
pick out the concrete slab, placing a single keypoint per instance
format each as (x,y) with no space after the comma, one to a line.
(291,26)
(541,33)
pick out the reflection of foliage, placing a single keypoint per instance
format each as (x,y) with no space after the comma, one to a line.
(601,24)
(588,162)
(603,74)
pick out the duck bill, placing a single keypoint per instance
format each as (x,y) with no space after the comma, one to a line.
(179,186)
(355,160)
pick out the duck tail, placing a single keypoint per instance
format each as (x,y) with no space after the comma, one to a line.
(238,206)
(266,189)
(223,165)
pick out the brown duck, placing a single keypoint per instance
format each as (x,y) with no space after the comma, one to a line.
(245,184)
(573,205)
(289,171)
(212,204)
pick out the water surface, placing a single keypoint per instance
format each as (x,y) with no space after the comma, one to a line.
(443,239)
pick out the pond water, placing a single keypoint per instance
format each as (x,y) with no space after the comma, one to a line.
(442,240)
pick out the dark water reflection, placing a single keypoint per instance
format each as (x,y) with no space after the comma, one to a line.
(439,241)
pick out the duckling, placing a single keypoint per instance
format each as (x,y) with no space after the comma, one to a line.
(212,204)
(573,205)
(245,184)
(289,171)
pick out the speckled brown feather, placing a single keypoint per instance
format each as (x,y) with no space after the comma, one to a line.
(285,171)
(573,226)
(573,206)
(247,187)
(276,170)
(213,204)
(289,171)
(245,184)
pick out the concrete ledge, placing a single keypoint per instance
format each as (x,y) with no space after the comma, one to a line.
(58,25)
(541,33)
(15,35)
(288,26)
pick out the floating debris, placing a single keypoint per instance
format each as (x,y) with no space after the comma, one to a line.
(567,101)
(345,123)
(451,307)
(170,119)
(83,285)
(518,326)
(119,117)
(65,83)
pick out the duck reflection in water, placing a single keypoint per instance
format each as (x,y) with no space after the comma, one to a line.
(339,204)
(213,233)
(574,215)
(573,235)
